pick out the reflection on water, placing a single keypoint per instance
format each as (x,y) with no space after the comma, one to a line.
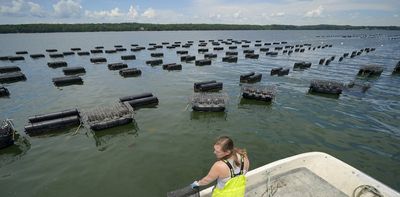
(332,96)
(105,137)
(244,101)
(208,116)
(14,152)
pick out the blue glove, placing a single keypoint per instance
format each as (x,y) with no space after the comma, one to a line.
(194,185)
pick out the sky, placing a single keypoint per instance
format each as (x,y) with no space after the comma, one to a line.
(260,12)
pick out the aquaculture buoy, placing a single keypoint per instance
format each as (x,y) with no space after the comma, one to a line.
(130,72)
(56,55)
(117,66)
(188,58)
(302,65)
(370,70)
(67,80)
(252,56)
(206,86)
(154,62)
(172,66)
(16,58)
(12,77)
(9,69)
(82,53)
(203,62)
(230,59)
(128,57)
(210,55)
(73,70)
(98,59)
(66,53)
(35,56)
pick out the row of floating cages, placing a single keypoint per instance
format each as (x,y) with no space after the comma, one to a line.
(53,52)
(10,74)
(300,65)
(124,57)
(217,101)
(98,118)
(334,89)
(327,61)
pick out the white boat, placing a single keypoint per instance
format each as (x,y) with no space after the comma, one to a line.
(311,174)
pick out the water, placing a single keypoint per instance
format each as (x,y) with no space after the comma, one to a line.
(170,147)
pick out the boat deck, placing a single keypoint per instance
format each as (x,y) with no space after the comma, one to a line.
(296,182)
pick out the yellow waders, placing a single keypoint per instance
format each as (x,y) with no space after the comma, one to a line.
(235,187)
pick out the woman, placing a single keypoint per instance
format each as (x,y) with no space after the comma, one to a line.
(229,170)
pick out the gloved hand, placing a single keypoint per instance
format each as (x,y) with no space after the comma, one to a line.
(194,185)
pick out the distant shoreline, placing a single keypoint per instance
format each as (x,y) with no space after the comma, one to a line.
(101,27)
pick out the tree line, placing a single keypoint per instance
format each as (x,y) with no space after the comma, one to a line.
(95,27)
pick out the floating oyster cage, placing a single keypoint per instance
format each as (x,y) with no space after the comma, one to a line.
(370,70)
(358,86)
(211,102)
(105,117)
(326,87)
(327,83)
(209,97)
(266,90)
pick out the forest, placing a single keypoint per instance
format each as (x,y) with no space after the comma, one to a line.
(95,27)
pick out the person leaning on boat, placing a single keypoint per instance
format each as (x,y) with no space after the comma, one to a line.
(229,170)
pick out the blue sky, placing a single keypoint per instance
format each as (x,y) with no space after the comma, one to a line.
(289,12)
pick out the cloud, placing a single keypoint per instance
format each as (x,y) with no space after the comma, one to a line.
(36,10)
(67,9)
(237,14)
(149,13)
(113,13)
(315,13)
(207,11)
(21,8)
(14,9)
(132,13)
(279,14)
(215,16)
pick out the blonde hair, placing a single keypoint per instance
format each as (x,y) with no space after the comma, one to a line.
(226,144)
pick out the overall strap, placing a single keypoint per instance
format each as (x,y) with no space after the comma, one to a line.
(230,167)
(241,164)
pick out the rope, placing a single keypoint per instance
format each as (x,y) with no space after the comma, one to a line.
(13,135)
(76,131)
(187,106)
(366,189)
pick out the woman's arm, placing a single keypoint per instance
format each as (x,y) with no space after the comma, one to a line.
(214,173)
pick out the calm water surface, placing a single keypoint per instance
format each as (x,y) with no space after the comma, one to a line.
(171,146)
